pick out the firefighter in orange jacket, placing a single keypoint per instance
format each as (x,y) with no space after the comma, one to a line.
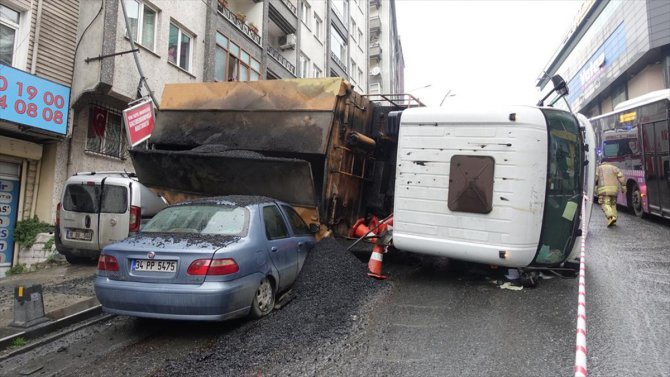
(608,180)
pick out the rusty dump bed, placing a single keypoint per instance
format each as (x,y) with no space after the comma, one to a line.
(278,138)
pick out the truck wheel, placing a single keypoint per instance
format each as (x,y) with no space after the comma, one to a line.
(264,299)
(635,201)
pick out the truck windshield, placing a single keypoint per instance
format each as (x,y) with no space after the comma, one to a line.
(564,188)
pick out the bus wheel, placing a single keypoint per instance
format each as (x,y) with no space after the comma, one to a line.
(635,201)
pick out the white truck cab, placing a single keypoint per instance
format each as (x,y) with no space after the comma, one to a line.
(99,208)
(501,187)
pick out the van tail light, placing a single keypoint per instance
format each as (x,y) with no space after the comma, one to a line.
(223,266)
(58,214)
(107,263)
(135,219)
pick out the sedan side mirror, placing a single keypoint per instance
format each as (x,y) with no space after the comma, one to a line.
(314,228)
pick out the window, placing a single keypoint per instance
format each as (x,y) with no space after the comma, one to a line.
(298,225)
(619,95)
(275,227)
(360,76)
(180,47)
(305,13)
(318,26)
(200,219)
(338,46)
(353,30)
(142,20)
(304,66)
(471,184)
(353,68)
(105,132)
(361,42)
(9,27)
(317,72)
(232,63)
(564,187)
(341,8)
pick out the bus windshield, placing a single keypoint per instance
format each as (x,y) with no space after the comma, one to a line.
(564,188)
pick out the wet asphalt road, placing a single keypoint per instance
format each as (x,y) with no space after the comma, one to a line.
(448,319)
(434,317)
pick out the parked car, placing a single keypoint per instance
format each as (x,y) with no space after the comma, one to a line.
(208,259)
(99,208)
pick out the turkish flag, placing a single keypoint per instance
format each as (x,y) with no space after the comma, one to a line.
(99,121)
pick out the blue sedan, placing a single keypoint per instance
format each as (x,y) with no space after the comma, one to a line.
(209,259)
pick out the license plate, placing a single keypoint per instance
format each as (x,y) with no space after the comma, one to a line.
(154,265)
(82,235)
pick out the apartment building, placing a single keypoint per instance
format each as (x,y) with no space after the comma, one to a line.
(386,60)
(38,39)
(615,51)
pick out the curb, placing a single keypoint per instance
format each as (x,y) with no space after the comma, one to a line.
(50,327)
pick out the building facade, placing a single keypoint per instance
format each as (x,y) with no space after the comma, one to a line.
(386,61)
(38,39)
(616,50)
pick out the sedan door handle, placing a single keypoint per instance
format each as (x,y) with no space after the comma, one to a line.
(273,249)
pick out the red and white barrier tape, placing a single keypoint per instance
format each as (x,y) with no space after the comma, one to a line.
(580,349)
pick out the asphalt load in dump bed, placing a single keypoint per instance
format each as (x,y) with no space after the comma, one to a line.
(332,299)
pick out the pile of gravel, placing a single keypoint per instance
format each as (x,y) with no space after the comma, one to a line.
(332,298)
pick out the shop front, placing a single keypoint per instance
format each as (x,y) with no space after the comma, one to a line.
(33,122)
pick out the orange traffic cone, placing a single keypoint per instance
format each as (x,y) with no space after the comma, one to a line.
(375,263)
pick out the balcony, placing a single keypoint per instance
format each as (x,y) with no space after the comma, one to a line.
(291,7)
(339,62)
(279,58)
(239,22)
(375,25)
(375,51)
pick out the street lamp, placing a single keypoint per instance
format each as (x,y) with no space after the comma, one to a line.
(447,95)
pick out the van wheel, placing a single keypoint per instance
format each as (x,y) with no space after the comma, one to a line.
(635,201)
(264,299)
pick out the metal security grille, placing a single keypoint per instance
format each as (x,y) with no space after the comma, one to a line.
(106,134)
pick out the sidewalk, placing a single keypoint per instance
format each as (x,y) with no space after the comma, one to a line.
(66,289)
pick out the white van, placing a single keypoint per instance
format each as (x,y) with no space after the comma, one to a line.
(99,208)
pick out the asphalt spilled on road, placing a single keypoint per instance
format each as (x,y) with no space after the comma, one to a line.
(331,300)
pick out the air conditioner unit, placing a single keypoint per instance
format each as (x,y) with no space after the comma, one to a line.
(287,42)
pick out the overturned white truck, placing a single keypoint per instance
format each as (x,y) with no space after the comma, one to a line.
(501,187)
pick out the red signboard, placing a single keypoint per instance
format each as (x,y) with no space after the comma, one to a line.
(139,121)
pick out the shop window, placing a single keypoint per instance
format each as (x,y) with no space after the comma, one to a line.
(106,133)
(142,20)
(231,63)
(180,47)
(9,29)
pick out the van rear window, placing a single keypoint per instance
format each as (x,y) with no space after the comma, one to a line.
(81,198)
(86,198)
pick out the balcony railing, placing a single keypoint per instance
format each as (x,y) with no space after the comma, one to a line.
(291,7)
(276,55)
(244,28)
(339,62)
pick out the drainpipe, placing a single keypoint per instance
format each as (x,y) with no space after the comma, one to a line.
(38,28)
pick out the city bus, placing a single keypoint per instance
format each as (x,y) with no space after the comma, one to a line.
(634,137)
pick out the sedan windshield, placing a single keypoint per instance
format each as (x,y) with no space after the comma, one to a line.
(200,219)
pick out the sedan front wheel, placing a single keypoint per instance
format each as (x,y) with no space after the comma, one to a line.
(264,299)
